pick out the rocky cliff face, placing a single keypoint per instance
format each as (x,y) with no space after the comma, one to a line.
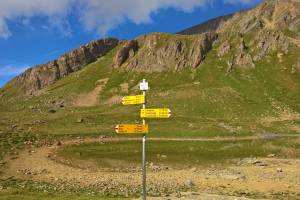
(248,37)
(160,52)
(41,76)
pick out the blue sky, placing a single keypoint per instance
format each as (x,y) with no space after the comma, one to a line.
(36,31)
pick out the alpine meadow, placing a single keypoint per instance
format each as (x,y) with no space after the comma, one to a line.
(232,84)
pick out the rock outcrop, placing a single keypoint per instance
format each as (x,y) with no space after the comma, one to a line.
(41,76)
(127,50)
(250,36)
(270,40)
(271,15)
(159,52)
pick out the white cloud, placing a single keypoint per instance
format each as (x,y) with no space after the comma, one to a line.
(12,70)
(95,15)
(4,31)
(11,10)
(105,15)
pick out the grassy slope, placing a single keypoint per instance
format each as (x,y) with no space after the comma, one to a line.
(12,194)
(179,154)
(205,102)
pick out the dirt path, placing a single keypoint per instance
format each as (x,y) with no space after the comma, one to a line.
(262,175)
(88,140)
(91,98)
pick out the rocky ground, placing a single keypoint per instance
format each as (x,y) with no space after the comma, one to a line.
(270,177)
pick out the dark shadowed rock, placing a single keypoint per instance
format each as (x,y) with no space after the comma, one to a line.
(79,120)
(209,26)
(127,50)
(52,111)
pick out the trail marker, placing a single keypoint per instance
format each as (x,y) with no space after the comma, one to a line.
(132,128)
(144,85)
(142,128)
(133,100)
(156,113)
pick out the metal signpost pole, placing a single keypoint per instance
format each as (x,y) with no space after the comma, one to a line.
(144,154)
(142,128)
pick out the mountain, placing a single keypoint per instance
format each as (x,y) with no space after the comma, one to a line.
(240,76)
(209,26)
(41,76)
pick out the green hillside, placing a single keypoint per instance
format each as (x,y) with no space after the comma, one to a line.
(206,101)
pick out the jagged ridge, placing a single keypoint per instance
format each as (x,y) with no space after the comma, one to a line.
(41,76)
(209,26)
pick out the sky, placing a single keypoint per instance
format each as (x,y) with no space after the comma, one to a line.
(36,31)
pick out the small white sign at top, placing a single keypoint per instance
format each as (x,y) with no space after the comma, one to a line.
(144,85)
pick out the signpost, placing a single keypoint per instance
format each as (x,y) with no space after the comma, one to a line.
(133,100)
(144,87)
(156,113)
(132,128)
(142,128)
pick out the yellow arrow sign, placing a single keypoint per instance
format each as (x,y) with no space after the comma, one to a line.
(156,113)
(132,128)
(132,100)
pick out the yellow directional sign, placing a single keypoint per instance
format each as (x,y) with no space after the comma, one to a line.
(132,100)
(132,128)
(156,113)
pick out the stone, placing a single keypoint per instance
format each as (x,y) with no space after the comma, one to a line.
(14,126)
(2,162)
(279,170)
(31,107)
(271,155)
(79,120)
(52,111)
(194,169)
(190,183)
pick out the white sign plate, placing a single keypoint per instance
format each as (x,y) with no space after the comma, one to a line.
(144,85)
